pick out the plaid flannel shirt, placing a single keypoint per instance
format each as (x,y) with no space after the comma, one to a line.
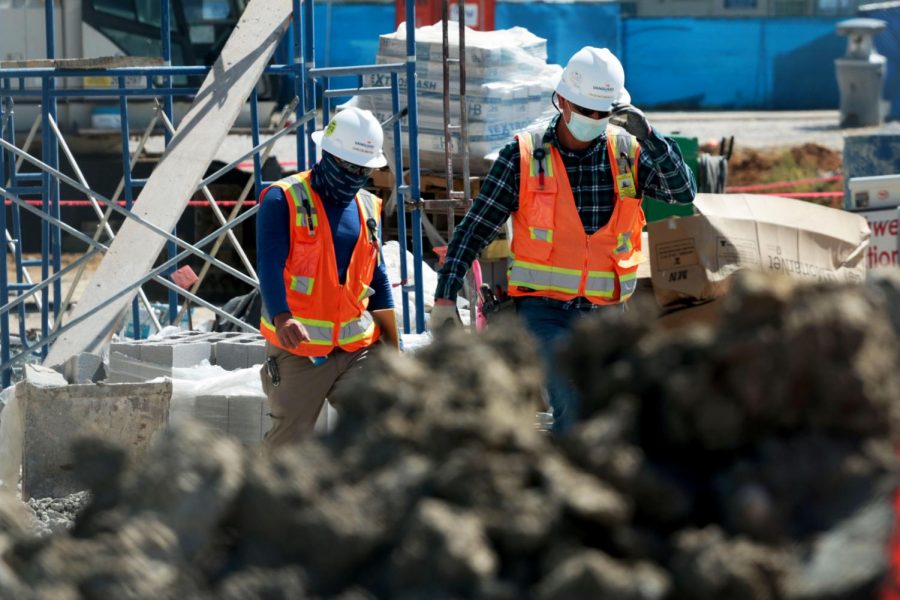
(662,174)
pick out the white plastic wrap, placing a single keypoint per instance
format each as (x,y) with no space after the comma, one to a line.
(209,380)
(508,89)
(12,426)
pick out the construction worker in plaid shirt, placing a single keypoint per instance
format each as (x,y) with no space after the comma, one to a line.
(573,193)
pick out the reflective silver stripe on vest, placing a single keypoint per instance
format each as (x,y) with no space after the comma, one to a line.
(306,201)
(543,235)
(542,277)
(600,283)
(356,329)
(368,204)
(319,331)
(628,283)
(302,285)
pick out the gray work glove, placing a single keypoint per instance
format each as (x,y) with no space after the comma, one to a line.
(631,119)
(443,317)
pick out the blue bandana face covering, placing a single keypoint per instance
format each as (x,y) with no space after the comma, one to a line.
(334,183)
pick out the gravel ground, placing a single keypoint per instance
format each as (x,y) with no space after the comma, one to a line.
(54,515)
(760,129)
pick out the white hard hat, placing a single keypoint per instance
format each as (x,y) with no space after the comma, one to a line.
(353,135)
(594,79)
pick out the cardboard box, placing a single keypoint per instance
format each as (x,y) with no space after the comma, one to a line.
(706,313)
(691,258)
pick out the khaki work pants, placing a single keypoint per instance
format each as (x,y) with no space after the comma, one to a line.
(295,403)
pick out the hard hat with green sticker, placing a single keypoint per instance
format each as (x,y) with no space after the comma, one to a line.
(354,135)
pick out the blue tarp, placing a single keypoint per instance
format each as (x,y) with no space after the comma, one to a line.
(732,63)
(706,63)
(566,27)
(888,43)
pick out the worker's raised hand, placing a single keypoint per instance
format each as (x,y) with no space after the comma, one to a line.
(631,119)
(289,331)
(444,316)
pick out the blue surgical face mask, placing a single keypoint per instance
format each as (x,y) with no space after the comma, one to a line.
(585,129)
(333,182)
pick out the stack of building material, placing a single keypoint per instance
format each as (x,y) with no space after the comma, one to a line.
(239,414)
(242,416)
(508,88)
(140,360)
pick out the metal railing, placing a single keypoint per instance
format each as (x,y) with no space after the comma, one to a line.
(17,187)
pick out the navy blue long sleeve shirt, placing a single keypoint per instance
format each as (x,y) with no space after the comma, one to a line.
(273,244)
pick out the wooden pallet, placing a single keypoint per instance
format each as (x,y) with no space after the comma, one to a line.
(431,186)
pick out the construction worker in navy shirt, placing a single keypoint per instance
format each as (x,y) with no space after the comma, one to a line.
(326,294)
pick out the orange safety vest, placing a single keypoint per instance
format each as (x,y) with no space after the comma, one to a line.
(334,315)
(552,256)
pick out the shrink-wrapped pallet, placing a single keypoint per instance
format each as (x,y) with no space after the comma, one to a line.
(508,89)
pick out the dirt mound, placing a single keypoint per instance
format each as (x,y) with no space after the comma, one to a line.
(751,461)
(749,166)
(818,157)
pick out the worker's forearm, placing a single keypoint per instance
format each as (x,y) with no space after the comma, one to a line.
(469,238)
(386,320)
(498,198)
(663,172)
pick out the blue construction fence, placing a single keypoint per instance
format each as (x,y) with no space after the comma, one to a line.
(775,63)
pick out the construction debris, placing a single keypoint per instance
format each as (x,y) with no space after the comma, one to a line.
(55,413)
(56,515)
(753,460)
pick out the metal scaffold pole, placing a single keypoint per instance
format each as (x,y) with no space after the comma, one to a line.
(414,192)
(123,272)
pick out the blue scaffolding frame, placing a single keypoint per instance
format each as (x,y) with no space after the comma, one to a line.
(305,78)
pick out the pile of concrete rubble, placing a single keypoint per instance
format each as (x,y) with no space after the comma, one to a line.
(752,460)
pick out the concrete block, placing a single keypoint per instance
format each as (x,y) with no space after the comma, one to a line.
(41,376)
(83,368)
(256,352)
(54,416)
(176,354)
(230,355)
(129,348)
(240,352)
(124,369)
(212,411)
(120,377)
(245,418)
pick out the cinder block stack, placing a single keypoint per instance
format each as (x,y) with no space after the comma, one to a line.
(140,360)
(240,352)
(242,416)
